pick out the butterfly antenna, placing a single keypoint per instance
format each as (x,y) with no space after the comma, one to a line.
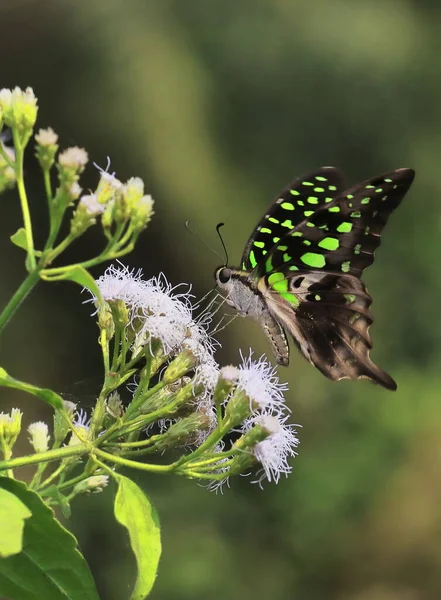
(218,226)
(187,225)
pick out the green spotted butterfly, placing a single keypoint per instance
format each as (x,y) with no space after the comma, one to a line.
(302,266)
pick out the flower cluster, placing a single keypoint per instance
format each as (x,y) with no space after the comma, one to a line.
(192,402)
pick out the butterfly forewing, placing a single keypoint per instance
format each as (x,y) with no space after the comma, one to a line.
(340,236)
(305,194)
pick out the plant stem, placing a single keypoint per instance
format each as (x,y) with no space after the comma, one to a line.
(19,149)
(23,461)
(132,463)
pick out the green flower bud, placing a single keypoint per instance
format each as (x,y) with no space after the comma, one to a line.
(46,148)
(94,484)
(61,426)
(10,427)
(185,361)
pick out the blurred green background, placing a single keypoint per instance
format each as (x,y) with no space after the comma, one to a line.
(218,105)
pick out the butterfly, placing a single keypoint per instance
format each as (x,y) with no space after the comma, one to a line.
(301,270)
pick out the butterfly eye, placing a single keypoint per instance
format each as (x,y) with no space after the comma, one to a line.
(224,275)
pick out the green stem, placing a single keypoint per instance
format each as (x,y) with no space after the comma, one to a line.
(33,459)
(133,464)
(23,291)
(19,149)
(51,477)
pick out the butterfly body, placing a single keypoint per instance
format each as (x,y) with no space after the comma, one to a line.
(302,266)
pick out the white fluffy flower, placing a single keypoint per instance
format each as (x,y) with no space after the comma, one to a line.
(260,383)
(273,452)
(121,283)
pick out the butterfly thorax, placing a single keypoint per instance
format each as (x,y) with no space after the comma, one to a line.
(246,294)
(242,291)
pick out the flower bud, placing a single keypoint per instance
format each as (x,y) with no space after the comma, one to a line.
(39,436)
(105,320)
(61,426)
(180,366)
(10,427)
(94,484)
(46,148)
(19,110)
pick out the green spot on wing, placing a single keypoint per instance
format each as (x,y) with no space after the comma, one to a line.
(365,200)
(332,188)
(280,286)
(265,230)
(259,244)
(287,206)
(312,199)
(307,183)
(329,243)
(319,190)
(276,239)
(269,265)
(294,192)
(344,227)
(334,209)
(291,298)
(275,278)
(293,268)
(345,266)
(274,220)
(350,298)
(308,213)
(253,260)
(320,178)
(287,223)
(311,259)
(286,257)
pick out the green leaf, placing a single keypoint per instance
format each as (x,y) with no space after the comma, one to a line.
(44,394)
(19,239)
(12,519)
(134,511)
(80,275)
(49,565)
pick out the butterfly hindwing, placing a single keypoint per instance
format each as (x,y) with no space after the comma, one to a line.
(328,315)
(307,193)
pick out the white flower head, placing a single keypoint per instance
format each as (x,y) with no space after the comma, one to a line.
(74,158)
(273,452)
(46,137)
(259,381)
(91,205)
(166,313)
(39,436)
(121,283)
